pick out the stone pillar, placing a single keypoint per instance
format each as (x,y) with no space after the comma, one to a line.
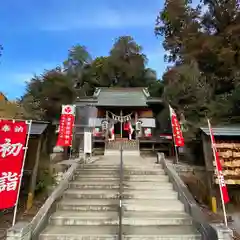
(160,158)
(223,232)
(20,231)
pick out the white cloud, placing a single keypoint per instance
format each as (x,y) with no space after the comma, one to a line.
(20,76)
(103,18)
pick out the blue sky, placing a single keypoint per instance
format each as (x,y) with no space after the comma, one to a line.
(36,35)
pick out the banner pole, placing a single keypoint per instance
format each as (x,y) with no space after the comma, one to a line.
(176,152)
(29,123)
(73,130)
(219,181)
(175,147)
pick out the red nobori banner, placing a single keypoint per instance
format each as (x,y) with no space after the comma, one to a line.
(66,126)
(223,187)
(177,133)
(13,135)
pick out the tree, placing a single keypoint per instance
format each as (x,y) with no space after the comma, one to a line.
(188,91)
(46,93)
(128,63)
(78,67)
(124,67)
(179,24)
(11,110)
(208,40)
(102,72)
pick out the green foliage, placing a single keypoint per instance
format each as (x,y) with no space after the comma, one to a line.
(44,181)
(46,93)
(124,67)
(202,43)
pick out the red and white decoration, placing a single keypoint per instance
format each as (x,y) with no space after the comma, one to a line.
(130,131)
(97,132)
(128,127)
(13,136)
(223,187)
(66,126)
(177,133)
(147,132)
(112,133)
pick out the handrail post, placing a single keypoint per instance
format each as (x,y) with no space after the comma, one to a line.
(120,192)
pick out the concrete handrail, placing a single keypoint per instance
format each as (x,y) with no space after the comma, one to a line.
(31,230)
(208,231)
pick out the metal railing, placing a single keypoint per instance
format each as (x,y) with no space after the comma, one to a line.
(120,193)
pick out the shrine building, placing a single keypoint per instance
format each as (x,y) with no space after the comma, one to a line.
(127,115)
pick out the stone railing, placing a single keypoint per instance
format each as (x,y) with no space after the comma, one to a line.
(208,231)
(31,230)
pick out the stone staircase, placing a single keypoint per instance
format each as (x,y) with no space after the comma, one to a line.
(89,208)
(130,147)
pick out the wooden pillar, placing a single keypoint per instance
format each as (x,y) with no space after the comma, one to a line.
(121,122)
(34,175)
(208,158)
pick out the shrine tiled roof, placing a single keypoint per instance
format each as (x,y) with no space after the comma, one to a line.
(116,96)
(38,128)
(121,97)
(223,130)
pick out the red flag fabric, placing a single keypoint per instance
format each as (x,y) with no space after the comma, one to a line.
(66,126)
(177,133)
(126,126)
(223,186)
(13,135)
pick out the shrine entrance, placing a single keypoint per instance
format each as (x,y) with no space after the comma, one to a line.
(119,131)
(121,125)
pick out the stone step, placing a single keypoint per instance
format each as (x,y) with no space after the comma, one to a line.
(115,185)
(111,233)
(160,233)
(89,174)
(135,185)
(145,178)
(79,233)
(139,178)
(116,153)
(98,166)
(117,172)
(113,194)
(153,205)
(111,218)
(144,218)
(88,204)
(71,218)
(150,194)
(97,178)
(93,185)
(91,194)
(149,205)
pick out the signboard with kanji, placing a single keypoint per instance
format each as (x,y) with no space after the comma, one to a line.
(66,126)
(13,135)
(177,132)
